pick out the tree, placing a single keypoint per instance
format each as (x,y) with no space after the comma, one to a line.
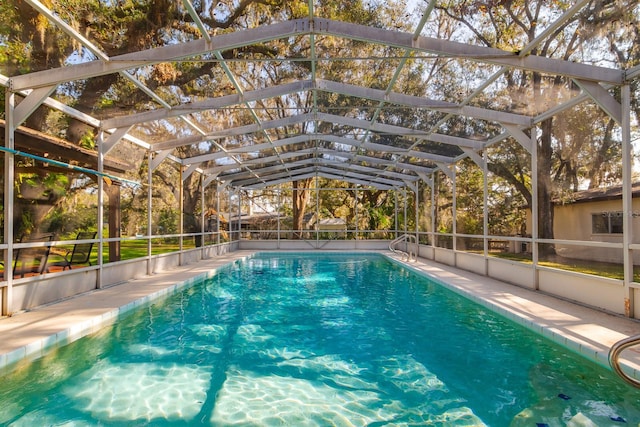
(28,42)
(513,25)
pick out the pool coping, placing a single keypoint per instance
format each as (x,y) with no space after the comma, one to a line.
(29,335)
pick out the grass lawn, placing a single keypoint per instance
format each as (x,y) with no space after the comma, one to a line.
(129,249)
(604,269)
(132,249)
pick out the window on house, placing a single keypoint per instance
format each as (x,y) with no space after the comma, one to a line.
(606,223)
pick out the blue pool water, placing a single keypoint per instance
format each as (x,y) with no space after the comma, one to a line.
(315,340)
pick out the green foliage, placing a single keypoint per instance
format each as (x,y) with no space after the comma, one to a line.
(379,219)
(14,54)
(67,223)
(88,140)
(25,225)
(56,183)
(580,153)
(168,221)
(469,185)
(14,57)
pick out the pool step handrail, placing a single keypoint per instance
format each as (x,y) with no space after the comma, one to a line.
(614,358)
(407,253)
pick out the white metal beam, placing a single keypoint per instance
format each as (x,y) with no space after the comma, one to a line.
(209,104)
(113,139)
(325,85)
(327,175)
(158,158)
(451,49)
(375,160)
(320,27)
(294,177)
(603,98)
(236,182)
(593,81)
(446,169)
(369,169)
(257,161)
(187,173)
(268,173)
(420,102)
(73,33)
(360,176)
(28,105)
(167,53)
(520,137)
(265,169)
(208,180)
(331,138)
(248,149)
(427,179)
(330,118)
(196,19)
(477,158)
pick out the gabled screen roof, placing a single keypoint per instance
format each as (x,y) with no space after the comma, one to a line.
(342,105)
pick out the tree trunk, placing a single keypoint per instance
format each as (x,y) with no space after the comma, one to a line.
(545,203)
(191,198)
(301,196)
(436,209)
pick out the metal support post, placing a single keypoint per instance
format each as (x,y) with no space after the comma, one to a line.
(416,202)
(395,207)
(100,207)
(239,193)
(485,210)
(356,211)
(534,208)
(405,225)
(218,218)
(181,207)
(433,210)
(229,205)
(317,213)
(627,202)
(202,214)
(9,179)
(454,209)
(278,211)
(149,209)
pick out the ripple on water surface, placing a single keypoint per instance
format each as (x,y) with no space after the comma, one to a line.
(141,391)
(248,398)
(335,342)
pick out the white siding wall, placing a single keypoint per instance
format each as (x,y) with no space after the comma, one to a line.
(573,222)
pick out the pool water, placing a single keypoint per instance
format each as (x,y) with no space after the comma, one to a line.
(315,340)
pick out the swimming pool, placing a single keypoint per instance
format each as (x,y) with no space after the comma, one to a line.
(315,339)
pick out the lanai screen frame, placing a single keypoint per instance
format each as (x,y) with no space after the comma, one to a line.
(594,82)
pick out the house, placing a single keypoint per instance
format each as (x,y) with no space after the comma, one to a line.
(596,215)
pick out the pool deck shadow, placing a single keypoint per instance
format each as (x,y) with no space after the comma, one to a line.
(28,335)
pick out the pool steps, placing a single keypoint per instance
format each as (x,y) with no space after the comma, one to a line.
(411,243)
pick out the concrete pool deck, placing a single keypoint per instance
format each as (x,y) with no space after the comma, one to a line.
(28,335)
